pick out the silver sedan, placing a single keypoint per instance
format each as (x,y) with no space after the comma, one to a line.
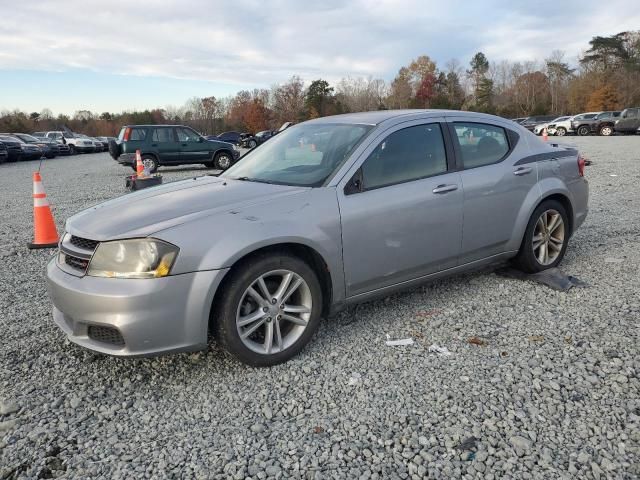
(328,213)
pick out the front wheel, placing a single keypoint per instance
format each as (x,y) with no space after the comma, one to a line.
(561,131)
(583,131)
(72,149)
(269,309)
(222,161)
(253,144)
(545,239)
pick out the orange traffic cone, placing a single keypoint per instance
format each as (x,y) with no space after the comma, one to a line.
(139,165)
(45,233)
(545,135)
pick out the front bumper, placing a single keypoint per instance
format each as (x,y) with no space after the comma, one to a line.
(84,148)
(141,316)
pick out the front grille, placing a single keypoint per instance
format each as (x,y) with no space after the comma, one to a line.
(83,243)
(76,263)
(109,335)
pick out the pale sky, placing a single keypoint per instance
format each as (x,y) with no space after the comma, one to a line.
(119,55)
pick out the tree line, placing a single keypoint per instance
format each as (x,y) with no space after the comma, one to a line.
(607,77)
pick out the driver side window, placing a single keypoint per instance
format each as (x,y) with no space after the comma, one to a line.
(405,155)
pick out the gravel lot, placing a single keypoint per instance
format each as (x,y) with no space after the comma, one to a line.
(551,392)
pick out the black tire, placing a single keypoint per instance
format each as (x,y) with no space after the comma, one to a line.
(222,160)
(114,149)
(151,162)
(252,143)
(72,149)
(228,302)
(526,260)
(583,130)
(561,131)
(606,130)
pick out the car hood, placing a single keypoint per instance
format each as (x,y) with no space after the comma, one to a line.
(148,211)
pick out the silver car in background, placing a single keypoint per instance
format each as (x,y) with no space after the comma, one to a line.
(328,213)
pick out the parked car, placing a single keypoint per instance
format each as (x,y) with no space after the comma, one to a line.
(560,127)
(602,124)
(530,122)
(257,139)
(48,146)
(368,204)
(105,142)
(170,145)
(229,137)
(581,124)
(4,154)
(28,151)
(629,121)
(76,143)
(13,146)
(63,149)
(551,125)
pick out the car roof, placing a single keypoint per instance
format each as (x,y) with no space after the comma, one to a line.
(150,125)
(379,116)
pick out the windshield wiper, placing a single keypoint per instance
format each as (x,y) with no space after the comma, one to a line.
(257,180)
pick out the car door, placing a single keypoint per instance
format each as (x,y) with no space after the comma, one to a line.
(193,148)
(165,144)
(401,209)
(630,121)
(494,186)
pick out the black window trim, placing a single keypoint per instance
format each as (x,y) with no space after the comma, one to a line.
(512,140)
(447,151)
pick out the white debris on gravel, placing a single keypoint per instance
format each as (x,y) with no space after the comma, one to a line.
(551,391)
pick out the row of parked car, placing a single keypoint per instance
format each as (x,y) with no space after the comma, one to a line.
(605,123)
(15,147)
(247,140)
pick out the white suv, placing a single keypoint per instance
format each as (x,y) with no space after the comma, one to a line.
(76,144)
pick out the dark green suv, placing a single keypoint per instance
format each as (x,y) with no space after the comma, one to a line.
(170,145)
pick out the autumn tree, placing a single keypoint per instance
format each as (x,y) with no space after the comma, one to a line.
(603,99)
(288,101)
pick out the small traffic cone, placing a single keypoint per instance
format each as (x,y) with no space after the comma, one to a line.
(139,165)
(545,135)
(45,234)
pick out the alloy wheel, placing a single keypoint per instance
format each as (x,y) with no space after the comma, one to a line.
(274,312)
(548,237)
(606,131)
(561,132)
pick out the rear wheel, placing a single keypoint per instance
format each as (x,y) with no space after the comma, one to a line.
(268,310)
(150,163)
(583,130)
(545,239)
(561,131)
(606,130)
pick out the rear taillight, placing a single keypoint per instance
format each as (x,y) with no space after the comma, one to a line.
(127,133)
(581,164)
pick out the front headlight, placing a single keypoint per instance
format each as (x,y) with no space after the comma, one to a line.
(137,258)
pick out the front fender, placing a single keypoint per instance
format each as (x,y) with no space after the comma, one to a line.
(219,241)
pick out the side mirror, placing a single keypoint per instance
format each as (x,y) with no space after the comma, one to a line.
(200,139)
(355,185)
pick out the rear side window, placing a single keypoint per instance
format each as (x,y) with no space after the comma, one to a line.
(408,154)
(481,144)
(138,134)
(162,135)
(632,113)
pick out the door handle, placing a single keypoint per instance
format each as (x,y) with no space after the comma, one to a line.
(522,171)
(154,144)
(184,144)
(445,188)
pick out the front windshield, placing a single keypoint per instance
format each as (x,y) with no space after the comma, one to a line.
(303,155)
